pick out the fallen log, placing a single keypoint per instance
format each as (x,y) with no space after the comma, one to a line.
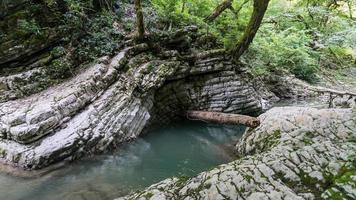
(333,94)
(331,91)
(224,118)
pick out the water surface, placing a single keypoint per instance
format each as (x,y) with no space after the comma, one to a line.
(183,149)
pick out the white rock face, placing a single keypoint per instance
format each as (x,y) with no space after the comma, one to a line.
(111,103)
(296,153)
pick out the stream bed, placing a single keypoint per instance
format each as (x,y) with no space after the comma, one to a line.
(182,149)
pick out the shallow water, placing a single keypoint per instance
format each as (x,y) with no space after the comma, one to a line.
(183,149)
(311,102)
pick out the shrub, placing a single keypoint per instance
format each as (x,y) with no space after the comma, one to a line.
(101,38)
(284,51)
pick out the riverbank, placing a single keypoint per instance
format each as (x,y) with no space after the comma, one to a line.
(184,148)
(297,153)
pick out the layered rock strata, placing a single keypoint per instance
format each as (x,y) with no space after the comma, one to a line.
(114,100)
(296,153)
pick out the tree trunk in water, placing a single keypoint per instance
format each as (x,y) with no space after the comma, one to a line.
(259,10)
(140,27)
(224,118)
(219,9)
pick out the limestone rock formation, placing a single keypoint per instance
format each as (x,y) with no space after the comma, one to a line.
(296,153)
(114,100)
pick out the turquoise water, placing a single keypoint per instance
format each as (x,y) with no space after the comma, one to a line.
(183,149)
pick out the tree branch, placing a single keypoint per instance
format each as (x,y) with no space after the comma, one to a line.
(218,10)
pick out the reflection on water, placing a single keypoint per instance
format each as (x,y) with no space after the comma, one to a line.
(186,148)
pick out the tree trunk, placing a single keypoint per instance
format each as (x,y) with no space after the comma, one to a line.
(224,118)
(102,4)
(349,4)
(219,9)
(140,27)
(259,10)
(183,6)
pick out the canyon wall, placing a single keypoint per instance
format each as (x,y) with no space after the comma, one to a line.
(112,101)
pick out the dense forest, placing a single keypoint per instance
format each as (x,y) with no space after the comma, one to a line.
(204,99)
(305,38)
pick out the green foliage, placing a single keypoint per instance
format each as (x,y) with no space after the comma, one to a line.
(298,36)
(287,50)
(302,40)
(166,8)
(60,68)
(100,39)
(84,30)
(28,27)
(171,12)
(344,178)
(227,27)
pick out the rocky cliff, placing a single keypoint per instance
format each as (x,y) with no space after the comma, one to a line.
(114,100)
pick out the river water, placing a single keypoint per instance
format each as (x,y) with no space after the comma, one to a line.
(182,149)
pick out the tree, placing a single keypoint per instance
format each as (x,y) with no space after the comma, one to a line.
(103,4)
(140,27)
(183,5)
(226,4)
(259,10)
(219,9)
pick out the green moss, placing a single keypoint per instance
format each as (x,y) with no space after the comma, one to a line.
(248,178)
(352,139)
(150,67)
(270,141)
(307,141)
(148,195)
(333,194)
(336,191)
(182,180)
(60,68)
(345,177)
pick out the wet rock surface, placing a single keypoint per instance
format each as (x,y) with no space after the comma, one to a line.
(296,153)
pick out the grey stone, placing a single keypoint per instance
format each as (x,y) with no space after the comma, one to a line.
(287,169)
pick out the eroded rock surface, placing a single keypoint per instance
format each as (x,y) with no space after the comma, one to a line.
(296,153)
(114,100)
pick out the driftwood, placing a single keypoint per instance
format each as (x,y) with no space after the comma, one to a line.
(224,118)
(331,91)
(332,94)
